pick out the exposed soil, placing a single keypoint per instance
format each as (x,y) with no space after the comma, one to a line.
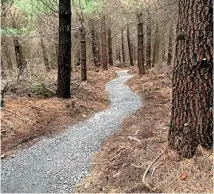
(25,118)
(125,157)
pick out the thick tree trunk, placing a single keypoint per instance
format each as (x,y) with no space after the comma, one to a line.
(156,47)
(83,54)
(45,56)
(140,52)
(169,58)
(64,57)
(130,47)
(110,52)
(95,47)
(104,44)
(149,42)
(192,100)
(20,60)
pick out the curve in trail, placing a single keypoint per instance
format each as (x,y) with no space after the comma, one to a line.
(57,164)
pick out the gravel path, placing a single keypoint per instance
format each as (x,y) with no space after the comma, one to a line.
(57,164)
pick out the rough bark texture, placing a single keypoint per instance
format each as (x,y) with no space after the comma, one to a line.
(169,58)
(20,60)
(156,47)
(140,40)
(64,57)
(192,100)
(148,42)
(123,48)
(83,54)
(95,46)
(130,47)
(45,56)
(104,59)
(110,52)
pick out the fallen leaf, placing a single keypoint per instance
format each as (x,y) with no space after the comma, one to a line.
(183,175)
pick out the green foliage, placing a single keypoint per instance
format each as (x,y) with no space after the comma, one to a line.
(88,6)
(41,90)
(13,31)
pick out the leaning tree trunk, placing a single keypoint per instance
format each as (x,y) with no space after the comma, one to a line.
(83,54)
(140,50)
(192,100)
(156,47)
(20,60)
(104,44)
(44,53)
(148,42)
(123,48)
(64,57)
(95,48)
(169,58)
(130,47)
(110,52)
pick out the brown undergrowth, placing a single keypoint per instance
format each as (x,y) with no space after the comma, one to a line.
(136,159)
(27,116)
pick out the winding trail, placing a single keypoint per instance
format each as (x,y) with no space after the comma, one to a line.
(57,164)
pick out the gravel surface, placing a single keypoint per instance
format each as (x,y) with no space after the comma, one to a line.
(57,164)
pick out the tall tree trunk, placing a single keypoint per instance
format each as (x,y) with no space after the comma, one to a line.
(156,47)
(123,48)
(118,55)
(149,42)
(95,47)
(163,54)
(110,52)
(83,54)
(130,47)
(64,57)
(45,56)
(169,58)
(104,44)
(20,60)
(140,41)
(192,100)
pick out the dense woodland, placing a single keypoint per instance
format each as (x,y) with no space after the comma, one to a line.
(63,37)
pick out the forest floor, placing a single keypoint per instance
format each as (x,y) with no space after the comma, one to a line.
(137,159)
(27,115)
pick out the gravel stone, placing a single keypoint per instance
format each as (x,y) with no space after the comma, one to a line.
(57,164)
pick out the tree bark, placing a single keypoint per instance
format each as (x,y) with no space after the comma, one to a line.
(140,53)
(130,47)
(169,58)
(123,48)
(156,47)
(64,57)
(110,52)
(83,54)
(45,56)
(20,60)
(95,47)
(149,42)
(104,44)
(192,100)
